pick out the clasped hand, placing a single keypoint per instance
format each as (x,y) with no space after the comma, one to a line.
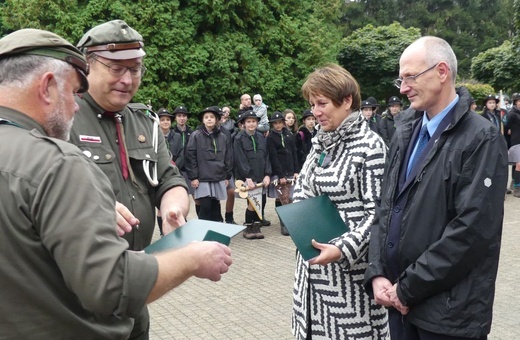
(385,293)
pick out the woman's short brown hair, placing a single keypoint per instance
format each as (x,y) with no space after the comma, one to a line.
(334,82)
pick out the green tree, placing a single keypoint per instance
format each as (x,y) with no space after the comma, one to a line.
(372,54)
(470,26)
(206,52)
(498,67)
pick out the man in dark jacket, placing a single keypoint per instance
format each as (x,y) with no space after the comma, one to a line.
(391,119)
(434,253)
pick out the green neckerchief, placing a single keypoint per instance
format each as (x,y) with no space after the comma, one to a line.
(254,142)
(8,122)
(214,144)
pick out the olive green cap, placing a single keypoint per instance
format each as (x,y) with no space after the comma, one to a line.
(113,40)
(31,41)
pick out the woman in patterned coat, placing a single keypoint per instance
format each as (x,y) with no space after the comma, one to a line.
(346,163)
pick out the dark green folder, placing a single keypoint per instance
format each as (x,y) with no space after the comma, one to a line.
(313,218)
(195,230)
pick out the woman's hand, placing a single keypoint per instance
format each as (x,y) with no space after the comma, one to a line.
(328,253)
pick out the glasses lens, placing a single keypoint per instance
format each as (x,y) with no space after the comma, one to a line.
(398,83)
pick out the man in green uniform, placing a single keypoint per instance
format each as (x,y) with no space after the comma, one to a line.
(125,141)
(64,271)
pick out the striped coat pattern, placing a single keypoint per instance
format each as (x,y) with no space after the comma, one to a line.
(330,301)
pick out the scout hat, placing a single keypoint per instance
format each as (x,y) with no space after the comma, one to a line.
(490,97)
(247,114)
(367,103)
(181,109)
(212,109)
(46,44)
(394,101)
(276,117)
(306,113)
(164,112)
(373,101)
(113,40)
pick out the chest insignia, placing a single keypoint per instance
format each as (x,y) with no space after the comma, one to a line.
(141,138)
(89,139)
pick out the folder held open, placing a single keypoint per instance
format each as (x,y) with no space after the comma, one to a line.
(195,230)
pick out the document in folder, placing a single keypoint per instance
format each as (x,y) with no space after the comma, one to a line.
(313,218)
(195,230)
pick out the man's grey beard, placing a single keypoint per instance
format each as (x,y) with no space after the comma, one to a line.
(57,126)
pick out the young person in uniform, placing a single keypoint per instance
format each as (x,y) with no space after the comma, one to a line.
(291,122)
(209,161)
(174,142)
(305,134)
(251,165)
(284,162)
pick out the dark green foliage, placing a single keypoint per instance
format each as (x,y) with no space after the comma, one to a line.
(206,52)
(372,54)
(470,26)
(498,67)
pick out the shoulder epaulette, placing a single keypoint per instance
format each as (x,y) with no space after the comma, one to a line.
(142,108)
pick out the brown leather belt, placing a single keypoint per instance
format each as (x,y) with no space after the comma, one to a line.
(116,47)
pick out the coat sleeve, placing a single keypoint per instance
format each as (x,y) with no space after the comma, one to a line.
(273,156)
(177,150)
(476,227)
(241,165)
(354,243)
(377,232)
(228,160)
(268,170)
(191,163)
(104,276)
(168,175)
(383,130)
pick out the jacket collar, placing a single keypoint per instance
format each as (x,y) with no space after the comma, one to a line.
(20,119)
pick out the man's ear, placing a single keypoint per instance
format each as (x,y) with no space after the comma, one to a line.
(443,71)
(47,86)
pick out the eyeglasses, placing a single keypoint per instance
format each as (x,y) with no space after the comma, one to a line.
(410,80)
(119,70)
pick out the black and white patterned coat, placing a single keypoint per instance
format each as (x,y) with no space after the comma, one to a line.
(332,297)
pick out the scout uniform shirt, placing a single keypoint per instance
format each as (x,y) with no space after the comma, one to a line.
(65,272)
(96,135)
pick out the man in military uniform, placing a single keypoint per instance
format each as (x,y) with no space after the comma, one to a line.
(125,140)
(65,272)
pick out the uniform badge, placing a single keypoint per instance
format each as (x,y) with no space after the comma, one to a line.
(89,139)
(141,138)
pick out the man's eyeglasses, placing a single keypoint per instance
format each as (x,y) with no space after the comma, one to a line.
(119,70)
(411,80)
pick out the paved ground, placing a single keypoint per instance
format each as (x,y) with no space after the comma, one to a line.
(253,300)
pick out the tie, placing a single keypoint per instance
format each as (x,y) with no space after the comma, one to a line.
(424,137)
(121,141)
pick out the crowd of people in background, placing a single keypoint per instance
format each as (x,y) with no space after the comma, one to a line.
(276,146)
(256,148)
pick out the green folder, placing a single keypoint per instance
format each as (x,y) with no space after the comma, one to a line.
(195,230)
(313,218)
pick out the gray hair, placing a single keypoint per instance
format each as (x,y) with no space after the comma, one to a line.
(20,71)
(437,50)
